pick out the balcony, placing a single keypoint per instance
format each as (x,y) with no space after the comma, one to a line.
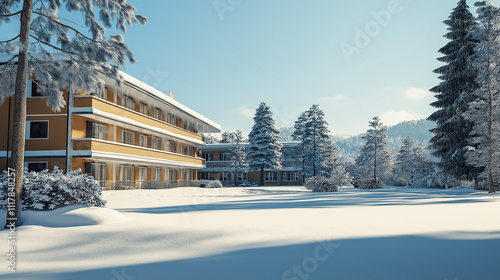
(119,113)
(119,151)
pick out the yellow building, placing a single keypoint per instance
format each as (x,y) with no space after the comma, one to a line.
(124,136)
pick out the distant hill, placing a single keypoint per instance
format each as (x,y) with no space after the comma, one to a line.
(418,130)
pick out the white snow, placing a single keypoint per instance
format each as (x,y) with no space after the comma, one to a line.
(265,233)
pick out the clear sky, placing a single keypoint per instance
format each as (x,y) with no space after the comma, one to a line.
(222,58)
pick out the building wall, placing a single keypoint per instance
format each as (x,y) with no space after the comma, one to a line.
(131,120)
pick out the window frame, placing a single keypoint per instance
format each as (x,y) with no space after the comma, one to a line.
(157,143)
(130,133)
(156,112)
(27,164)
(97,127)
(28,135)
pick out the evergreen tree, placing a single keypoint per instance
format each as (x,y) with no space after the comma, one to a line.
(373,156)
(210,139)
(238,155)
(409,157)
(454,94)
(228,137)
(264,150)
(317,145)
(484,111)
(41,32)
(299,136)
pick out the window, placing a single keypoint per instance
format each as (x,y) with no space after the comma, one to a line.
(103,93)
(37,130)
(225,176)
(99,131)
(171,119)
(143,108)
(158,114)
(182,175)
(225,157)
(143,140)
(157,143)
(99,173)
(157,176)
(288,176)
(36,166)
(172,147)
(172,175)
(208,156)
(190,151)
(128,137)
(190,175)
(32,90)
(127,175)
(270,176)
(143,175)
(242,176)
(128,102)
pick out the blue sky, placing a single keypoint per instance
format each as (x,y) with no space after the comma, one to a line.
(292,54)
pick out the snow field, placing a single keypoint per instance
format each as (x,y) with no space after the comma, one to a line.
(265,233)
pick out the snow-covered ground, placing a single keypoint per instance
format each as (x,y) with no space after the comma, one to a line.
(265,233)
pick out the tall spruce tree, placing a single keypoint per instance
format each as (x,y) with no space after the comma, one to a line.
(454,94)
(373,157)
(299,135)
(408,159)
(238,155)
(318,149)
(42,32)
(484,111)
(264,151)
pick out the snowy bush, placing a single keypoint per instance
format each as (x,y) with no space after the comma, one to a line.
(322,184)
(213,184)
(370,184)
(51,190)
(246,184)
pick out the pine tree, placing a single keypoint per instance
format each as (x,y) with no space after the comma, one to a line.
(43,31)
(484,111)
(454,94)
(264,150)
(228,137)
(299,136)
(317,145)
(409,157)
(238,155)
(374,156)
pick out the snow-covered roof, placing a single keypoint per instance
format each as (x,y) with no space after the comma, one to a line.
(169,100)
(224,146)
(153,91)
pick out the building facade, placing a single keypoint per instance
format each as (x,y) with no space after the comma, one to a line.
(218,166)
(128,136)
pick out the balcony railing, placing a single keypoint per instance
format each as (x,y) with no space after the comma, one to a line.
(109,107)
(147,185)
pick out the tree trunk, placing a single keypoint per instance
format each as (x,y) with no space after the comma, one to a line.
(262,176)
(19,125)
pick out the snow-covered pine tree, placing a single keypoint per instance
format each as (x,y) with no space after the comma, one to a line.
(264,151)
(318,148)
(484,111)
(298,135)
(373,156)
(210,139)
(43,31)
(238,155)
(409,157)
(454,94)
(228,137)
